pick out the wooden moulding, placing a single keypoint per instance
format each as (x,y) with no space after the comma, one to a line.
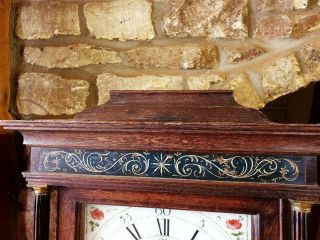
(177,121)
(205,188)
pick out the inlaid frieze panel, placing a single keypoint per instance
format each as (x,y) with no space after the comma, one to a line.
(177,165)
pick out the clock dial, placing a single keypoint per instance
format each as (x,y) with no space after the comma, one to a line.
(108,222)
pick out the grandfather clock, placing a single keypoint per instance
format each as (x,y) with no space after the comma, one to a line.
(172,165)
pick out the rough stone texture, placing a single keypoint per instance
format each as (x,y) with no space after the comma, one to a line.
(50,94)
(273,27)
(45,20)
(282,77)
(239,54)
(69,56)
(186,38)
(245,93)
(208,18)
(310,58)
(180,56)
(300,4)
(272,5)
(204,81)
(121,19)
(107,82)
(306,24)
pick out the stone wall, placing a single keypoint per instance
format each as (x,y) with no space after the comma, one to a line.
(71,53)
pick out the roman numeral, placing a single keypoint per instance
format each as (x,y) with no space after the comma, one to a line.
(165,228)
(134,233)
(195,235)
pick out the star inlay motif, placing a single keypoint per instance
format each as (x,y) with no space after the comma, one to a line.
(161,164)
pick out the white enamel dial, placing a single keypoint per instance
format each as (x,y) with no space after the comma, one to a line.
(106,222)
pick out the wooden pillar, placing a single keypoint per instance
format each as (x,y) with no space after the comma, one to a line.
(41,213)
(300,213)
(4,59)
(8,172)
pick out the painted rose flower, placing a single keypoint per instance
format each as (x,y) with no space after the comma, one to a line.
(233,224)
(97,214)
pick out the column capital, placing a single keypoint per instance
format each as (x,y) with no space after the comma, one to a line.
(40,189)
(302,206)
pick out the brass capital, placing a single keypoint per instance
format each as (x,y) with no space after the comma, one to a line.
(302,206)
(40,190)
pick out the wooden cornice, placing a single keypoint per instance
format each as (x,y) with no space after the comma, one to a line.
(137,121)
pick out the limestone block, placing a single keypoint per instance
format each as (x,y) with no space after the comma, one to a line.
(275,5)
(310,58)
(282,77)
(70,56)
(273,27)
(245,93)
(120,19)
(239,54)
(306,24)
(208,18)
(44,20)
(50,94)
(204,81)
(108,81)
(300,4)
(187,56)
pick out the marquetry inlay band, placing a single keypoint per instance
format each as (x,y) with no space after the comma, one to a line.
(217,167)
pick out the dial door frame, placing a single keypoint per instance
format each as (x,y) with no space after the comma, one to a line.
(266,213)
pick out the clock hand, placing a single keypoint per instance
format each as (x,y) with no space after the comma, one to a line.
(195,235)
(135,235)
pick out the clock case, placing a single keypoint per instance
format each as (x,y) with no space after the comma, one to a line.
(215,155)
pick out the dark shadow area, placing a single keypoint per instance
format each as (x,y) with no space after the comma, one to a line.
(314,223)
(11,182)
(302,106)
(315,110)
